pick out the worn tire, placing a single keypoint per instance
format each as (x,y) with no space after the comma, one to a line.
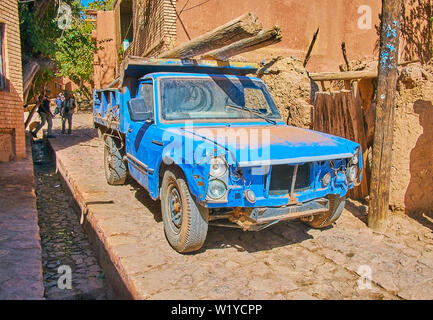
(336,207)
(100,133)
(115,168)
(190,233)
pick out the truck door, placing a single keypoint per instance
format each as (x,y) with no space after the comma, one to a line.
(139,133)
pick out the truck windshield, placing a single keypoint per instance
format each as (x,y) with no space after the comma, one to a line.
(215,97)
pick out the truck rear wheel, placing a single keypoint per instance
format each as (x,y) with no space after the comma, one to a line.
(115,168)
(336,207)
(100,133)
(185,221)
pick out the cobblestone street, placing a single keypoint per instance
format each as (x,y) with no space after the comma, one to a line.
(286,261)
(64,242)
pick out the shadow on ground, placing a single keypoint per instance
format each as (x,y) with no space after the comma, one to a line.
(143,197)
(279,235)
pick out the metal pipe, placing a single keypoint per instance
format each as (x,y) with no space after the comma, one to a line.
(292,189)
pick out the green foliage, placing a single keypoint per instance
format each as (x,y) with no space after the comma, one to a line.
(101,4)
(38,36)
(74,55)
(71,49)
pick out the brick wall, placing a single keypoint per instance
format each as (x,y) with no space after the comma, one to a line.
(12,140)
(154,26)
(154,31)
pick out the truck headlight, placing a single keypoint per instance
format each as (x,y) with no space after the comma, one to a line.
(355,159)
(218,167)
(250,196)
(326,179)
(352,173)
(217,189)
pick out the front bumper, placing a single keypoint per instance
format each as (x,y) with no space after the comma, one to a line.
(266,215)
(257,219)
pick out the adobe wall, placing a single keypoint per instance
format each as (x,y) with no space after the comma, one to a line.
(339,22)
(12,139)
(412,158)
(105,60)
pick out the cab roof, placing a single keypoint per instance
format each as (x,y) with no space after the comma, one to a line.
(138,67)
(157,75)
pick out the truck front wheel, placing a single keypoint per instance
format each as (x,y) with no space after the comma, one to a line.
(115,168)
(336,207)
(185,221)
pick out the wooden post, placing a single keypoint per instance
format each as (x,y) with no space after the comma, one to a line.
(383,133)
(343,48)
(310,49)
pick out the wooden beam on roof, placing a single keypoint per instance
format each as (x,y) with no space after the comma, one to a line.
(240,28)
(262,39)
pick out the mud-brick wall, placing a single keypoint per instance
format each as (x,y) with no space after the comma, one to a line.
(412,158)
(105,60)
(340,21)
(12,140)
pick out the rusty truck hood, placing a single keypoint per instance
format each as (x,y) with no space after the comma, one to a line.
(274,144)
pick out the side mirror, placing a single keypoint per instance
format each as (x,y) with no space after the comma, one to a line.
(138,111)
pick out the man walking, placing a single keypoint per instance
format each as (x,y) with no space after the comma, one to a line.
(58,103)
(46,116)
(66,111)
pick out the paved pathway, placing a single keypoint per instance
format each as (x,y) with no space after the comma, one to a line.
(286,261)
(20,249)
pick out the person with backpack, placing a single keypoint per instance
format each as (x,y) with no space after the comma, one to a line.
(46,116)
(66,111)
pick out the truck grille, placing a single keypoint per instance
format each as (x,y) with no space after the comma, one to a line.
(282,176)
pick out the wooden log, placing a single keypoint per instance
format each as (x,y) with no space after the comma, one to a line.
(262,39)
(348,75)
(384,125)
(240,28)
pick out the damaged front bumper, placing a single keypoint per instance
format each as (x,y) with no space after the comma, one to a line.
(257,219)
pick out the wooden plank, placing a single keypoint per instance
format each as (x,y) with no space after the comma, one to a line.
(30,116)
(355,111)
(340,113)
(262,39)
(29,71)
(240,28)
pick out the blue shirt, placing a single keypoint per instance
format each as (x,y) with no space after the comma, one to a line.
(58,102)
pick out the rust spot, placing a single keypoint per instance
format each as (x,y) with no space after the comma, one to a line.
(241,135)
(177,207)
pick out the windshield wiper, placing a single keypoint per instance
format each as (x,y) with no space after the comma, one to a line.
(257,113)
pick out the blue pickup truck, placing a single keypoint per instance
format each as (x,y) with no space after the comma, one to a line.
(209,142)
